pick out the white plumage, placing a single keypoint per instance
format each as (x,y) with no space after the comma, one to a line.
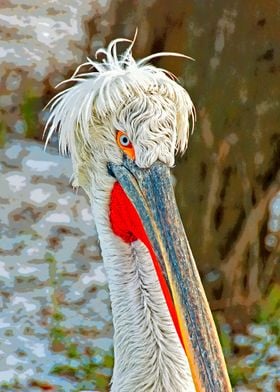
(153,110)
(121,93)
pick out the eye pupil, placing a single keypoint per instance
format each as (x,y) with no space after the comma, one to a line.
(124,140)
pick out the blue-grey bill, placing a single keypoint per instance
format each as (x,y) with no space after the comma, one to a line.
(151,192)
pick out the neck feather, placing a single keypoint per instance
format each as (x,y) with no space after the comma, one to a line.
(147,350)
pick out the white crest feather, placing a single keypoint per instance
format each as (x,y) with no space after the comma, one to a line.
(113,81)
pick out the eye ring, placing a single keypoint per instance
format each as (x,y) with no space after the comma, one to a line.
(125,144)
(124,140)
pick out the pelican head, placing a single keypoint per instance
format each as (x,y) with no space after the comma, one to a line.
(123,123)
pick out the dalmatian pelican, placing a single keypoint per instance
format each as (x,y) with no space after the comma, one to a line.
(123,123)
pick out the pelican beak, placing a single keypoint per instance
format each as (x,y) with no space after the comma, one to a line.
(151,193)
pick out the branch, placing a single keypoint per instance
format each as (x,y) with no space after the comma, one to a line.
(232,267)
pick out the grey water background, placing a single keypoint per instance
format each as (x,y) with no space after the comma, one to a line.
(55,318)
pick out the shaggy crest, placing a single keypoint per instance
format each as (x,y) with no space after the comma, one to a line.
(97,95)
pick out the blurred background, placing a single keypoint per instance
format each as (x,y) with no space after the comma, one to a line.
(55,320)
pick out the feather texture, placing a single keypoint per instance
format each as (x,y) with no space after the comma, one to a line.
(120,93)
(148,354)
(102,96)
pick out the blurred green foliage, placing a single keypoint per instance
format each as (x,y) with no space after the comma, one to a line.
(3,134)
(88,367)
(30,109)
(253,357)
(14,386)
(269,308)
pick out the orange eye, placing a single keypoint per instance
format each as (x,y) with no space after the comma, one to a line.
(125,144)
